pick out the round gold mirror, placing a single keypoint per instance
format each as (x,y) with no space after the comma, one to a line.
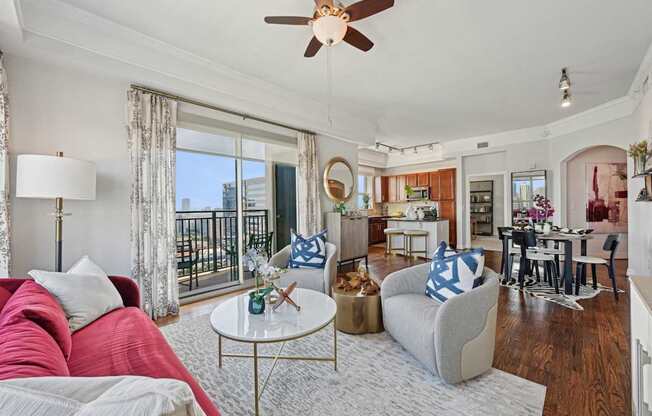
(339,180)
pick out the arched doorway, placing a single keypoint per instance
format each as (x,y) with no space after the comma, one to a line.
(596,195)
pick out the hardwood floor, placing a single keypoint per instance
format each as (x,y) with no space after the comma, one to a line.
(581,356)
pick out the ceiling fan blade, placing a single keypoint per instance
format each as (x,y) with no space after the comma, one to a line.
(357,39)
(313,48)
(366,8)
(287,20)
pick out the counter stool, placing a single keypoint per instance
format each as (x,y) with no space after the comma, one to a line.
(393,232)
(410,235)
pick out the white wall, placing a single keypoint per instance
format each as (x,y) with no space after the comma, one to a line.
(640,213)
(56,109)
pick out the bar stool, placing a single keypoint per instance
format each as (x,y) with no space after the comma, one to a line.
(409,235)
(393,232)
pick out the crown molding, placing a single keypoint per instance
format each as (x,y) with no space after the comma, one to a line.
(639,88)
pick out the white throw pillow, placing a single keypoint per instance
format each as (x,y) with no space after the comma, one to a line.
(97,396)
(83,297)
(86,266)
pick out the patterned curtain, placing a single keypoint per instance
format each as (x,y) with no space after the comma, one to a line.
(309,185)
(152,157)
(5,252)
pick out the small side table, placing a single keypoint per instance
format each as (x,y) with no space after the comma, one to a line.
(357,313)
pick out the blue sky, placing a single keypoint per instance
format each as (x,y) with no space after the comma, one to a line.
(200,177)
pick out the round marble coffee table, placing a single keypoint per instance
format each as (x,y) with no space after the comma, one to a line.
(233,321)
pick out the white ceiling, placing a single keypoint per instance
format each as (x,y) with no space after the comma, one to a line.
(440,70)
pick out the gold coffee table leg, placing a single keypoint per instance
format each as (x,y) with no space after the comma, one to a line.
(335,345)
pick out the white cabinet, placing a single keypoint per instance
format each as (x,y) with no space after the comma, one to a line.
(641,345)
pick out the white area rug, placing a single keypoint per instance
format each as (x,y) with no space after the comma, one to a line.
(376,377)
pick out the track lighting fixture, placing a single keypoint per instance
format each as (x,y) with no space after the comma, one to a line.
(564,81)
(567,99)
(415,149)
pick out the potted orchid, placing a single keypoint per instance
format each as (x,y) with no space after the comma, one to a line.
(541,213)
(256,261)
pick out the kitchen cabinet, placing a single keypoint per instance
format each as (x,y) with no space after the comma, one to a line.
(423,179)
(401,181)
(447,212)
(381,189)
(447,184)
(392,195)
(411,180)
(433,179)
(377,230)
(641,344)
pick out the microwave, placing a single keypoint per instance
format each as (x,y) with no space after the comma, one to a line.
(419,193)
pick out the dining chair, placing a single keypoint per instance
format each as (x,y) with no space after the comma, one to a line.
(610,245)
(524,240)
(501,238)
(550,272)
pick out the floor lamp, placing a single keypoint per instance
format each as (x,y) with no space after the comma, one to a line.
(58,178)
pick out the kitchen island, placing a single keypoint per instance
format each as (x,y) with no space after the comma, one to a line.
(437,232)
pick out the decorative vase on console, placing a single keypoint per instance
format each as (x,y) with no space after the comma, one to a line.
(420,214)
(640,153)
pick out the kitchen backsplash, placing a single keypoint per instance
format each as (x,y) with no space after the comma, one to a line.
(395,208)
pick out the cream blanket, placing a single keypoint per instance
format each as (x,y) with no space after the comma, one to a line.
(97,396)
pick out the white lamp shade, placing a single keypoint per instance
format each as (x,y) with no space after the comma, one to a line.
(39,176)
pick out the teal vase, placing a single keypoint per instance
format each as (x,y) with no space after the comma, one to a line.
(256,305)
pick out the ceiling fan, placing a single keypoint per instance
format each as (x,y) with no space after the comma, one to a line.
(330,23)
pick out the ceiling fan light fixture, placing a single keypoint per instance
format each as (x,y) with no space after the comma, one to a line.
(329,30)
(566,100)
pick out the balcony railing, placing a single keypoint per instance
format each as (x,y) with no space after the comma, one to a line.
(211,240)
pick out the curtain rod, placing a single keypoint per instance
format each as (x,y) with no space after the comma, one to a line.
(216,108)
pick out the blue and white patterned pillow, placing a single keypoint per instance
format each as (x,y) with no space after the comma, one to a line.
(443,251)
(308,252)
(452,275)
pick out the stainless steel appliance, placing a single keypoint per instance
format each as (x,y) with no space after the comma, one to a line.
(419,193)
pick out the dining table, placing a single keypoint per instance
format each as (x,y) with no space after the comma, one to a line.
(567,239)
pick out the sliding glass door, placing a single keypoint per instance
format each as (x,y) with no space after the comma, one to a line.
(225,205)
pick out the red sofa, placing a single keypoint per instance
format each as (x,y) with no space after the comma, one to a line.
(35,340)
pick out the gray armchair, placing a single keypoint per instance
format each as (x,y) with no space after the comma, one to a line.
(320,280)
(454,339)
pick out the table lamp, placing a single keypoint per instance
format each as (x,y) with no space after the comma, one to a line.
(58,178)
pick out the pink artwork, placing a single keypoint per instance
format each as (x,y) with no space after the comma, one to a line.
(606,191)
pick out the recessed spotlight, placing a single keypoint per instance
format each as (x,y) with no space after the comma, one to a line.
(377,145)
(567,99)
(415,150)
(564,81)
(402,151)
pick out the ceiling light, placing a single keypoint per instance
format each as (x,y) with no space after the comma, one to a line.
(390,150)
(567,100)
(377,145)
(329,30)
(564,81)
(430,147)
(415,149)
(402,151)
